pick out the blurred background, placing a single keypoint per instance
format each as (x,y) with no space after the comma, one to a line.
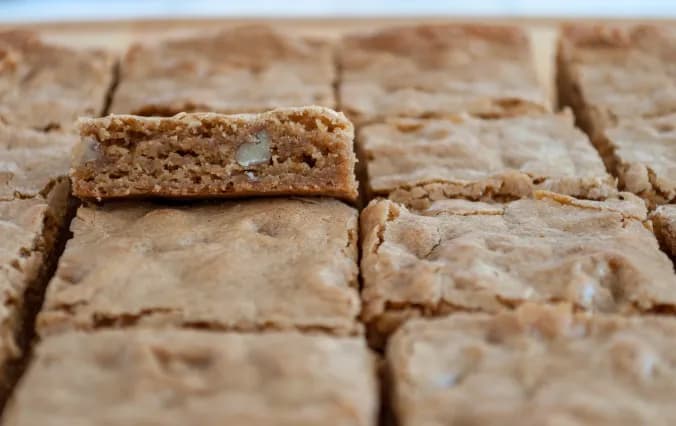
(73,10)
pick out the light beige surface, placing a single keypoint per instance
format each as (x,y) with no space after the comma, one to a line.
(464,256)
(642,152)
(286,151)
(419,161)
(437,71)
(32,161)
(247,69)
(197,377)
(44,86)
(244,265)
(536,366)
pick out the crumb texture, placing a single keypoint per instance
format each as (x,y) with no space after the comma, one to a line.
(420,161)
(249,265)
(289,151)
(195,377)
(664,224)
(538,365)
(463,256)
(438,70)
(243,69)
(46,87)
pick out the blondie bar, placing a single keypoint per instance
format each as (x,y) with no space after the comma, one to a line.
(419,161)
(437,71)
(247,266)
(459,255)
(187,377)
(243,69)
(45,86)
(289,151)
(535,366)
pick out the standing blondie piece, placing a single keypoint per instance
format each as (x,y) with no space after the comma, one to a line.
(419,161)
(664,223)
(46,86)
(34,210)
(287,264)
(242,69)
(471,256)
(186,377)
(291,151)
(610,73)
(535,366)
(437,71)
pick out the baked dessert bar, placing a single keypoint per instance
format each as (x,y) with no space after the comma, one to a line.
(642,153)
(180,377)
(438,70)
(243,69)
(607,73)
(34,209)
(247,266)
(664,224)
(45,86)
(290,151)
(459,255)
(419,161)
(535,366)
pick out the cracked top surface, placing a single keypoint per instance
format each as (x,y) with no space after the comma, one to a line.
(49,86)
(248,265)
(535,366)
(31,161)
(460,255)
(473,157)
(644,157)
(437,70)
(622,71)
(244,69)
(664,223)
(195,377)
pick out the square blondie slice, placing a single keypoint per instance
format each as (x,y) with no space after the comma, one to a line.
(459,255)
(536,366)
(289,151)
(417,162)
(47,86)
(189,377)
(251,265)
(664,224)
(438,70)
(243,69)
(642,154)
(607,73)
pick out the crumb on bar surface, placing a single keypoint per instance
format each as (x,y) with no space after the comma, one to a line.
(179,377)
(288,151)
(611,72)
(47,86)
(419,161)
(537,365)
(438,70)
(459,255)
(250,68)
(248,265)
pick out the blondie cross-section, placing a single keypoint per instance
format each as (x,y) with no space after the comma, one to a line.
(289,151)
(182,377)
(248,266)
(607,73)
(419,161)
(242,69)
(45,86)
(438,70)
(535,366)
(470,256)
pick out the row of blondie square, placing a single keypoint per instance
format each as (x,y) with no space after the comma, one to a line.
(495,206)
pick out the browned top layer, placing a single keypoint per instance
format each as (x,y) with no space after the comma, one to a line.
(50,86)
